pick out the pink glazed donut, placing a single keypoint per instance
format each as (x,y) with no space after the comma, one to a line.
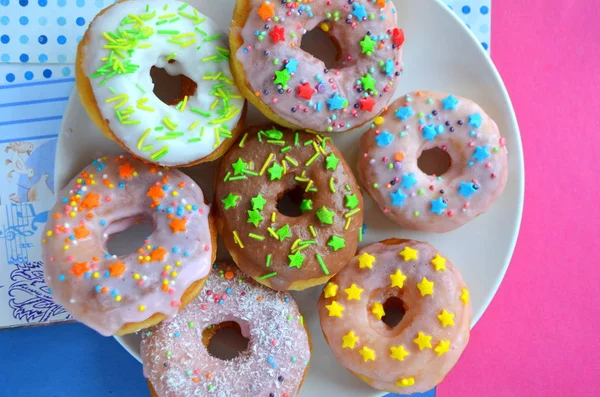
(177,361)
(413,124)
(123,294)
(411,276)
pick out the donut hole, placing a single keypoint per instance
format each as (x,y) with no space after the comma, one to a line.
(394,311)
(321,46)
(125,236)
(171,89)
(289,202)
(434,161)
(225,340)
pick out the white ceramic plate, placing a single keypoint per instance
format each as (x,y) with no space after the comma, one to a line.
(440,54)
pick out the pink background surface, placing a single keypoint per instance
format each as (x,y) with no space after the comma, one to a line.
(540,336)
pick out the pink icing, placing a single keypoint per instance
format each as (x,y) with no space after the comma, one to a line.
(261,60)
(104,291)
(425,367)
(178,364)
(406,194)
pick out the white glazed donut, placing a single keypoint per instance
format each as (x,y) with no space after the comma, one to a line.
(114,61)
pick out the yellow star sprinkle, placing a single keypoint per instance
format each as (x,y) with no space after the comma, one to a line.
(423,341)
(367,353)
(365,260)
(349,340)
(353,292)
(335,309)
(409,254)
(331,290)
(398,352)
(398,279)
(425,286)
(442,347)
(464,296)
(405,382)
(446,318)
(439,262)
(378,310)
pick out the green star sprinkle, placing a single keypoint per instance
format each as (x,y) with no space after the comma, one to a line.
(283,232)
(274,134)
(281,77)
(367,45)
(325,215)
(230,201)
(336,243)
(368,82)
(296,260)
(254,217)
(276,171)
(306,205)
(258,202)
(239,167)
(351,201)
(331,162)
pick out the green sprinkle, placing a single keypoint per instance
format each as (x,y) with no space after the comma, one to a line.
(167,31)
(230,201)
(226,176)
(325,215)
(312,159)
(201,112)
(291,160)
(353,212)
(243,140)
(312,231)
(256,236)
(192,140)
(306,205)
(267,276)
(285,149)
(322,263)
(296,138)
(268,263)
(160,153)
(171,56)
(211,38)
(309,142)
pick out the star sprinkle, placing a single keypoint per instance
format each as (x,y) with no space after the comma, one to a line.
(281,77)
(405,382)
(464,296)
(92,200)
(277,34)
(291,66)
(351,201)
(446,318)
(388,67)
(325,215)
(178,225)
(258,202)
(438,205)
(296,260)
(442,347)
(266,10)
(359,11)
(425,286)
(349,340)
(481,153)
(377,310)
(275,171)
(79,269)
(335,309)
(305,91)
(331,162)
(239,167)
(398,198)
(158,254)
(429,132)
(336,102)
(83,232)
(398,352)
(126,170)
(117,269)
(367,45)
(409,254)
(398,279)
(467,189)
(368,82)
(365,261)
(331,290)
(475,120)
(404,112)
(423,341)
(398,37)
(155,192)
(336,243)
(367,354)
(384,139)
(366,104)
(306,205)
(230,201)
(254,217)
(408,180)
(283,232)
(439,262)
(450,102)
(353,293)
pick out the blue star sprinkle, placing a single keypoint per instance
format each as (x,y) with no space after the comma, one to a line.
(336,102)
(291,66)
(475,120)
(438,206)
(389,67)
(398,198)
(450,102)
(384,139)
(429,132)
(359,11)
(404,112)
(467,189)
(481,153)
(408,180)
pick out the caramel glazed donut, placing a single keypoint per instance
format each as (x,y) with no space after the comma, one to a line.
(115,60)
(177,361)
(419,121)
(295,89)
(418,352)
(287,252)
(121,295)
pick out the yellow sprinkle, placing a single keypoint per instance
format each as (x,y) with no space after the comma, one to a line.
(165,282)
(141,308)
(378,120)
(143,137)
(169,124)
(96,275)
(313,158)
(331,187)
(49,233)
(193,125)
(347,223)
(136,276)
(243,140)
(350,213)
(312,231)
(295,244)
(175,193)
(65,247)
(214,104)
(273,216)
(178,263)
(107,37)
(292,161)
(73,214)
(308,185)
(272,233)
(188,43)
(324,27)
(284,167)
(185,99)
(118,298)
(173,274)
(266,163)
(223,119)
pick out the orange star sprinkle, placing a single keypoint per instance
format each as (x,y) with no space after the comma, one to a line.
(81,232)
(158,254)
(117,269)
(266,10)
(126,170)
(79,269)
(156,193)
(91,201)
(178,225)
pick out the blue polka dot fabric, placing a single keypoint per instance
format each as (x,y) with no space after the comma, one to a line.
(477,15)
